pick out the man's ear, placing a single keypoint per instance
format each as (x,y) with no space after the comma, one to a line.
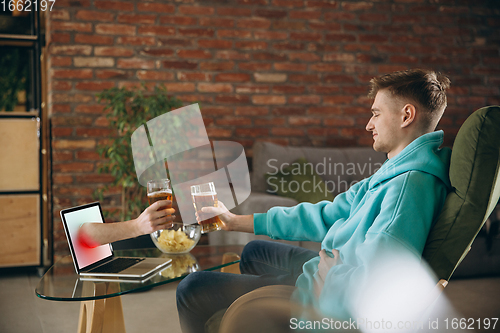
(409,114)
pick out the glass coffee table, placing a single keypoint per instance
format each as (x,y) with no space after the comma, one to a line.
(101,308)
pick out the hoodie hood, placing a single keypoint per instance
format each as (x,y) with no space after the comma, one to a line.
(422,154)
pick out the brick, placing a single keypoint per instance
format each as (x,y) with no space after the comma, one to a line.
(303,121)
(62,179)
(288,25)
(115,29)
(254,23)
(179,20)
(59,14)
(179,64)
(304,56)
(269,99)
(94,15)
(155,75)
(323,26)
(215,87)
(113,51)
(72,73)
(233,121)
(340,99)
(252,89)
(156,31)
(288,110)
(94,179)
(290,67)
(71,98)
(136,63)
(195,32)
(251,111)
(270,35)
(94,85)
(70,26)
(271,13)
(136,18)
(61,61)
(73,3)
(241,34)
(324,90)
(196,10)
(232,77)
(324,110)
(60,108)
(373,38)
(194,54)
(114,5)
(93,62)
(252,2)
(252,132)
(251,45)
(305,14)
(340,57)
(93,39)
(135,40)
(73,167)
(404,59)
(330,4)
(269,56)
(233,99)
(71,49)
(274,121)
(180,87)
(111,74)
(340,37)
(215,44)
(288,89)
(254,66)
(157,52)
(89,109)
(217,22)
(324,67)
(101,122)
(189,76)
(62,38)
(155,7)
(217,110)
(340,16)
(233,11)
(304,99)
(94,132)
(61,132)
(270,77)
(304,78)
(73,144)
(215,66)
(287,131)
(61,85)
(219,133)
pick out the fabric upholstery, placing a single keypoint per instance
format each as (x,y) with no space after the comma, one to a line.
(474,176)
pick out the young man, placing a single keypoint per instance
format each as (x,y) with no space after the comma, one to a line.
(392,210)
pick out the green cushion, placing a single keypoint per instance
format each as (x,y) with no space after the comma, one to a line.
(299,181)
(474,176)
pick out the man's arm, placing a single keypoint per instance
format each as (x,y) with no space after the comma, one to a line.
(155,217)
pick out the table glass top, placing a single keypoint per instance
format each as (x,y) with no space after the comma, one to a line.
(61,283)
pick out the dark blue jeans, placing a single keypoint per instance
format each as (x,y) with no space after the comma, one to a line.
(263,263)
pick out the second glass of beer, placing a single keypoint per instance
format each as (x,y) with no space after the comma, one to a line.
(204,195)
(159,189)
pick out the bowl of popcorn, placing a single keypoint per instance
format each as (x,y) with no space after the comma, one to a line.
(178,238)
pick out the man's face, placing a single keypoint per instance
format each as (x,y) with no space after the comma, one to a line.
(385,123)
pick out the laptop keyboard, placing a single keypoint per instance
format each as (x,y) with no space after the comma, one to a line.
(117,265)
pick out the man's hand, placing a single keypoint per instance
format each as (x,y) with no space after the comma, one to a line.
(156,217)
(230,221)
(224,215)
(325,263)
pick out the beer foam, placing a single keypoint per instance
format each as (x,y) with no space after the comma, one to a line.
(204,193)
(159,192)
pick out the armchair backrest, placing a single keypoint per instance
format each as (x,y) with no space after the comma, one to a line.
(474,176)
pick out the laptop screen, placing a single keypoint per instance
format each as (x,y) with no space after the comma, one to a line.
(73,218)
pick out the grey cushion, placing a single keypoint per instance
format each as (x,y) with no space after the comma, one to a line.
(343,166)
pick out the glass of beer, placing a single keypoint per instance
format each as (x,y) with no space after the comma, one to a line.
(159,189)
(204,195)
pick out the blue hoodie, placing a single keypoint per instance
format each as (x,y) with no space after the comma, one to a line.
(392,210)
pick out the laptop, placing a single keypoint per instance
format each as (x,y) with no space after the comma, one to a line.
(100,261)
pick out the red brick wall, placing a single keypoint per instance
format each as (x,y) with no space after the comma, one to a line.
(290,71)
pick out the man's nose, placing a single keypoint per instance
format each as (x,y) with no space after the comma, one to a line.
(369,126)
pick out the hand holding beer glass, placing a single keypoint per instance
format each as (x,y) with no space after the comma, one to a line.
(204,195)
